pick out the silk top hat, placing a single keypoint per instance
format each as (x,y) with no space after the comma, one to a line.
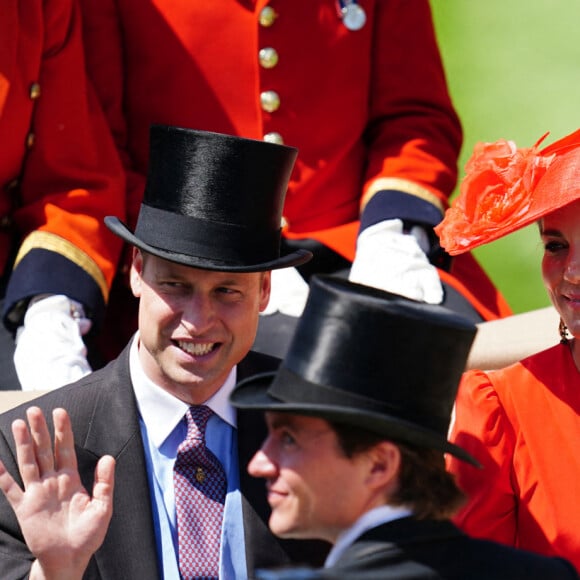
(213,201)
(506,189)
(370,359)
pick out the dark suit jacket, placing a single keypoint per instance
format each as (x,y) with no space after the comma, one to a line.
(410,549)
(105,420)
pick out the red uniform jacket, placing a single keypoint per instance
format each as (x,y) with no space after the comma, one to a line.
(368,110)
(59,172)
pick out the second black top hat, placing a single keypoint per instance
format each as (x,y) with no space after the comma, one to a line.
(372,360)
(213,201)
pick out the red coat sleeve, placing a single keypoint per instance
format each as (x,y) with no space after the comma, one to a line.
(413,132)
(68,172)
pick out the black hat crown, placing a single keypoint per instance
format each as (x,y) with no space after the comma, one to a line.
(213,201)
(371,359)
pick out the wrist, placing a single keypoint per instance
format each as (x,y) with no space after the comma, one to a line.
(59,306)
(38,571)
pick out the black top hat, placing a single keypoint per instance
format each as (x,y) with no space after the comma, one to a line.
(213,201)
(370,359)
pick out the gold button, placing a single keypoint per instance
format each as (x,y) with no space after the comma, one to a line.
(30,140)
(5,222)
(268,57)
(12,185)
(284,222)
(270,101)
(267,16)
(274,137)
(34,91)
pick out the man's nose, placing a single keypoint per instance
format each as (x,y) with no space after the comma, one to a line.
(261,465)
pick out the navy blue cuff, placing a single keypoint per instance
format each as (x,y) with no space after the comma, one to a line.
(46,272)
(393,204)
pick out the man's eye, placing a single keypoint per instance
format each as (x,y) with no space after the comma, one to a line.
(171,286)
(228,292)
(287,439)
(553,246)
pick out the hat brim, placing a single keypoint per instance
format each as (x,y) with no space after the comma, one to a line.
(293,259)
(558,188)
(252,394)
(493,234)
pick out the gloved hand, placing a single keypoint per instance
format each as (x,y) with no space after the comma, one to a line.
(49,349)
(388,259)
(289,293)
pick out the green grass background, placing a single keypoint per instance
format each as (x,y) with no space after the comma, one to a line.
(513,72)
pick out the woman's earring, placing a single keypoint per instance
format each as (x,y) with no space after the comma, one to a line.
(563,330)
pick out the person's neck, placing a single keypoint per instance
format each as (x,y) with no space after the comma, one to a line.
(575,350)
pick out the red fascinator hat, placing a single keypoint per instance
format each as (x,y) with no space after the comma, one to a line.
(506,189)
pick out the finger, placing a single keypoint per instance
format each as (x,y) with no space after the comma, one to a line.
(105,482)
(9,487)
(64,445)
(41,439)
(25,456)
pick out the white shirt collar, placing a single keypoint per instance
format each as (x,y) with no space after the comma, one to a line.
(161,411)
(370,519)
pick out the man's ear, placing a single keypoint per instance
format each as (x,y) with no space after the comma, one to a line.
(385,463)
(266,288)
(136,273)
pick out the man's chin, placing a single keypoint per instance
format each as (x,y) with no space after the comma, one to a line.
(289,532)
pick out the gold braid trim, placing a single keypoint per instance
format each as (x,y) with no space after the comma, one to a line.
(405,186)
(52,242)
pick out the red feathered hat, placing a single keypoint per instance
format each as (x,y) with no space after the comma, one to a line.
(506,188)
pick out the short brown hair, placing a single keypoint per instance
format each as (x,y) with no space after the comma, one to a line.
(424,485)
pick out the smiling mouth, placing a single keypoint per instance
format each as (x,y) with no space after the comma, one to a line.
(274,493)
(197,349)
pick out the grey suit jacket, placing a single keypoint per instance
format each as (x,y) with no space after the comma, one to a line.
(105,420)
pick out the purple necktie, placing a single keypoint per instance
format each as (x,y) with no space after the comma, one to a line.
(200,492)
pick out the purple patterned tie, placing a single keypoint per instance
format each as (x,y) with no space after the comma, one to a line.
(200,492)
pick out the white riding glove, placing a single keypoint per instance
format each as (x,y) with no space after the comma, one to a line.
(388,259)
(50,351)
(288,294)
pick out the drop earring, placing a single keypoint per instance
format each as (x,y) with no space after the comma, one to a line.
(563,330)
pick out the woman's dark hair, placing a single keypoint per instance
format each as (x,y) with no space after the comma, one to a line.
(424,484)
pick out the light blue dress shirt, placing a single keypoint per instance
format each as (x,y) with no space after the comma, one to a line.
(163,428)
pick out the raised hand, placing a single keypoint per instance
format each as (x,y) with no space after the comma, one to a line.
(61,523)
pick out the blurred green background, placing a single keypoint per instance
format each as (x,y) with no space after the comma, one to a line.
(513,72)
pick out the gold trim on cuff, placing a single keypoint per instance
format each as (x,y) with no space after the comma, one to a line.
(405,186)
(53,243)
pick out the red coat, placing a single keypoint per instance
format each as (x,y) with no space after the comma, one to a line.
(522,423)
(368,110)
(59,172)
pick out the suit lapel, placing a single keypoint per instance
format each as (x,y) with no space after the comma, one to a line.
(129,550)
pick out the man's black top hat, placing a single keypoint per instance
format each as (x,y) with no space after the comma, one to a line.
(370,359)
(213,201)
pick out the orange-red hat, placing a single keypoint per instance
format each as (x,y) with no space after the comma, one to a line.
(506,188)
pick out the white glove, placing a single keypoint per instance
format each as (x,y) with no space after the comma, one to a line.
(288,294)
(49,349)
(390,260)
